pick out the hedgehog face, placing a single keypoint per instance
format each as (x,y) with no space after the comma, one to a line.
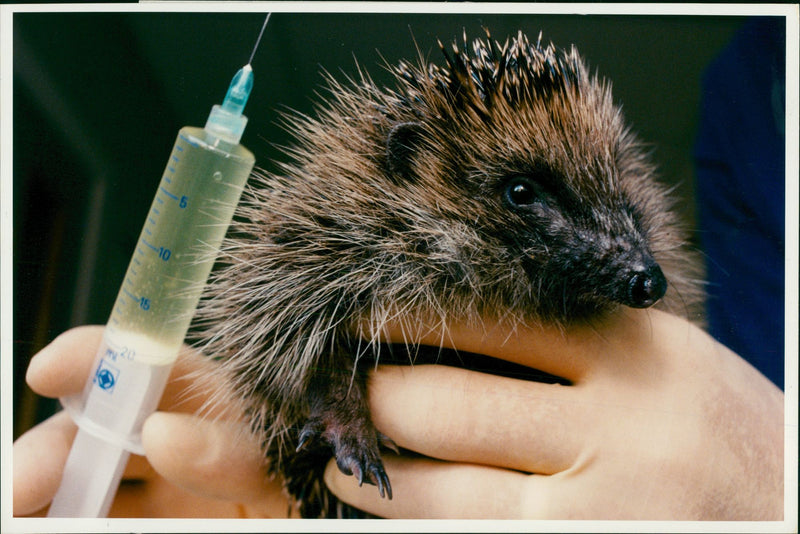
(567,198)
(504,181)
(531,152)
(581,257)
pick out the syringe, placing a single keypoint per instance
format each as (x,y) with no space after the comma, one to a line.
(189,216)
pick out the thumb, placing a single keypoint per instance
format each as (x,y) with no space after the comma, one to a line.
(39,458)
(211,458)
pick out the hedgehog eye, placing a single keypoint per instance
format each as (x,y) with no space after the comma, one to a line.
(521,192)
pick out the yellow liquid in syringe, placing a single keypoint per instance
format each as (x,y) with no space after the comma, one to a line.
(184,228)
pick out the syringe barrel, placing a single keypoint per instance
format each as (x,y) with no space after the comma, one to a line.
(187,221)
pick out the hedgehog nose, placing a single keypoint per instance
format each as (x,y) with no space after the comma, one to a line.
(646,287)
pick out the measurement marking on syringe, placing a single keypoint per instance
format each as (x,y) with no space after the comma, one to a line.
(151,220)
(131,295)
(143,302)
(170,195)
(147,231)
(175,158)
(148,244)
(179,148)
(189,141)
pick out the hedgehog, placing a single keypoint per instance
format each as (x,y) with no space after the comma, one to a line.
(502,184)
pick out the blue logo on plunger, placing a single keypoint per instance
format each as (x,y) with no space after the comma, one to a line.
(106,376)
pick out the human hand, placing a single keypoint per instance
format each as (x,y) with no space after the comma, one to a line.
(660,422)
(194,467)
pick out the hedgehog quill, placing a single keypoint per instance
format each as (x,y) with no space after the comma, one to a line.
(502,184)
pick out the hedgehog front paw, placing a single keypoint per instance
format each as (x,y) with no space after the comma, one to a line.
(363,462)
(355,446)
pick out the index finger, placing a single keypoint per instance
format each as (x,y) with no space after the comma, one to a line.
(561,351)
(63,367)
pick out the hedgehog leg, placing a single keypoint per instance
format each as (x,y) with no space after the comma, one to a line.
(339,418)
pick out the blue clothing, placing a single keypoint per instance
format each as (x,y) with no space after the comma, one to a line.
(740,191)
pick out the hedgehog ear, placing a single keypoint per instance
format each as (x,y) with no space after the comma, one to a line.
(401,144)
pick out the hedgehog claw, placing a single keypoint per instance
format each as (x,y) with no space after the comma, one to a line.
(382,481)
(307,435)
(364,463)
(388,442)
(358,473)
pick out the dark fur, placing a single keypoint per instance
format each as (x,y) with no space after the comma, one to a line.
(401,204)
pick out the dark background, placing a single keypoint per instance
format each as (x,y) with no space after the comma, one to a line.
(99,99)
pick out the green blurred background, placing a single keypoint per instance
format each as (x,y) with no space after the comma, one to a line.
(99,99)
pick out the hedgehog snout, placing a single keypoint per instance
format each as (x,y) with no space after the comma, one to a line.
(629,274)
(637,280)
(645,287)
